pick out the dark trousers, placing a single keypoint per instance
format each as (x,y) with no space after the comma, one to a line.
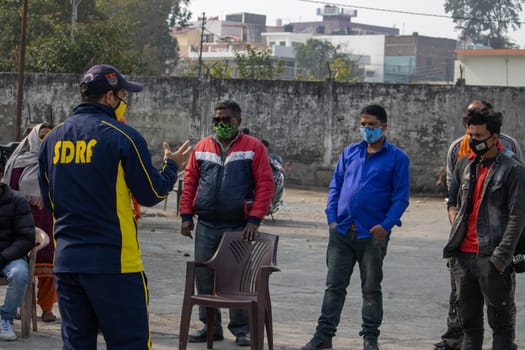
(342,254)
(207,240)
(453,336)
(117,304)
(479,283)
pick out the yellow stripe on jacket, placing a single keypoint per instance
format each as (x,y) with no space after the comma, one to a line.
(130,254)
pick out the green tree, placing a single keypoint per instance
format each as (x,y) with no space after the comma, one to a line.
(486,21)
(258,64)
(220,70)
(190,69)
(44,20)
(343,70)
(319,59)
(130,34)
(149,24)
(92,44)
(9,40)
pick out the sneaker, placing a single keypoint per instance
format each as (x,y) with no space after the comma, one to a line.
(242,340)
(201,336)
(6,330)
(317,344)
(370,344)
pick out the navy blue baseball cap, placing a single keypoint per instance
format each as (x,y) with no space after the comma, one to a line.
(102,77)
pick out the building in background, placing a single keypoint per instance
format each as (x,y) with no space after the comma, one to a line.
(419,59)
(502,67)
(381,54)
(338,21)
(253,26)
(367,51)
(220,40)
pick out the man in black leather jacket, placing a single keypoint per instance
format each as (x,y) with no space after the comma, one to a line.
(485,199)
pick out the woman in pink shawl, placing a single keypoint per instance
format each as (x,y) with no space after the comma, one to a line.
(21,173)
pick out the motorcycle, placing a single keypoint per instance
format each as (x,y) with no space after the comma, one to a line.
(278,169)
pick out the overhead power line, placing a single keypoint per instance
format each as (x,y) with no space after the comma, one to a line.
(412,13)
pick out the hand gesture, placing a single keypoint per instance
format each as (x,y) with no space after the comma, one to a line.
(180,156)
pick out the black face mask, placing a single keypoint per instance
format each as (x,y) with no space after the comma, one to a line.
(480,147)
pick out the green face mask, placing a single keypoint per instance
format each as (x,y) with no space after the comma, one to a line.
(224,131)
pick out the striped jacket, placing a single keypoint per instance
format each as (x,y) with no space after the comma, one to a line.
(227,187)
(88,165)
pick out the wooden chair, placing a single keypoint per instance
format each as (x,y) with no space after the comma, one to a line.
(28,307)
(241,271)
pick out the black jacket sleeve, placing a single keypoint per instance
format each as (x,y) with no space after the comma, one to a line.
(23,230)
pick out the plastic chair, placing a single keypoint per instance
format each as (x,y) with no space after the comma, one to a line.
(241,270)
(28,307)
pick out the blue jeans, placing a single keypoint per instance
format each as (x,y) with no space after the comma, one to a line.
(342,254)
(16,273)
(206,242)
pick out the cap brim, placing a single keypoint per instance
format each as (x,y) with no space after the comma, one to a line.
(131,86)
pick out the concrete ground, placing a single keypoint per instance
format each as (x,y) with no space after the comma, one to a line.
(415,287)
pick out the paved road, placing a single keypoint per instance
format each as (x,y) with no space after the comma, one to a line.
(415,283)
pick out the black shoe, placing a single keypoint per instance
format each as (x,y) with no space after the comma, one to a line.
(201,336)
(370,344)
(318,344)
(242,340)
(443,346)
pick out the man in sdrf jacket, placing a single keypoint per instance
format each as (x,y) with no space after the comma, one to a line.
(228,184)
(89,165)
(486,199)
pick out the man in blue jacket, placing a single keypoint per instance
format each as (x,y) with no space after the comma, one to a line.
(368,194)
(89,165)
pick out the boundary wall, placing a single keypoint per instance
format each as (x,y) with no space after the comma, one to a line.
(307,123)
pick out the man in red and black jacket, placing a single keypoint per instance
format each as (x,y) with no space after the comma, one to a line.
(228,184)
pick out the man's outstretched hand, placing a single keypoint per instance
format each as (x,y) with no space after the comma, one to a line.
(180,156)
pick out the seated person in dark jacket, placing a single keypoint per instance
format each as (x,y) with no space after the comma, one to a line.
(17,237)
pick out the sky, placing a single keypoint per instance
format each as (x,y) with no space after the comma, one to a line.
(368,12)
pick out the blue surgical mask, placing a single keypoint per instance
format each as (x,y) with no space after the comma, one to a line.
(371,135)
